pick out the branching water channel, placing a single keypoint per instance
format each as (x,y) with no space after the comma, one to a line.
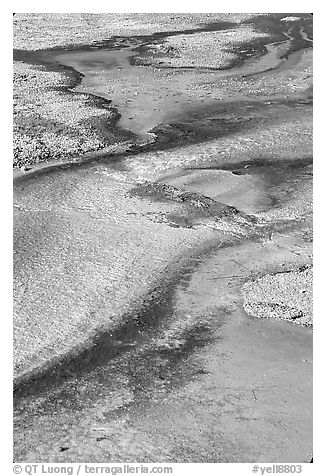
(180,354)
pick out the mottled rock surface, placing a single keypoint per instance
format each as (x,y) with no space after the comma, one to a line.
(285,295)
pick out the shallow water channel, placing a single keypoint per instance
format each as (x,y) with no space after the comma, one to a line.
(147,96)
(197,380)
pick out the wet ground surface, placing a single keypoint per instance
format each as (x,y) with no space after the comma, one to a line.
(137,346)
(169,92)
(220,387)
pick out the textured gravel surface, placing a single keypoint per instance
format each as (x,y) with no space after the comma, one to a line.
(205,49)
(45,30)
(50,123)
(282,296)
